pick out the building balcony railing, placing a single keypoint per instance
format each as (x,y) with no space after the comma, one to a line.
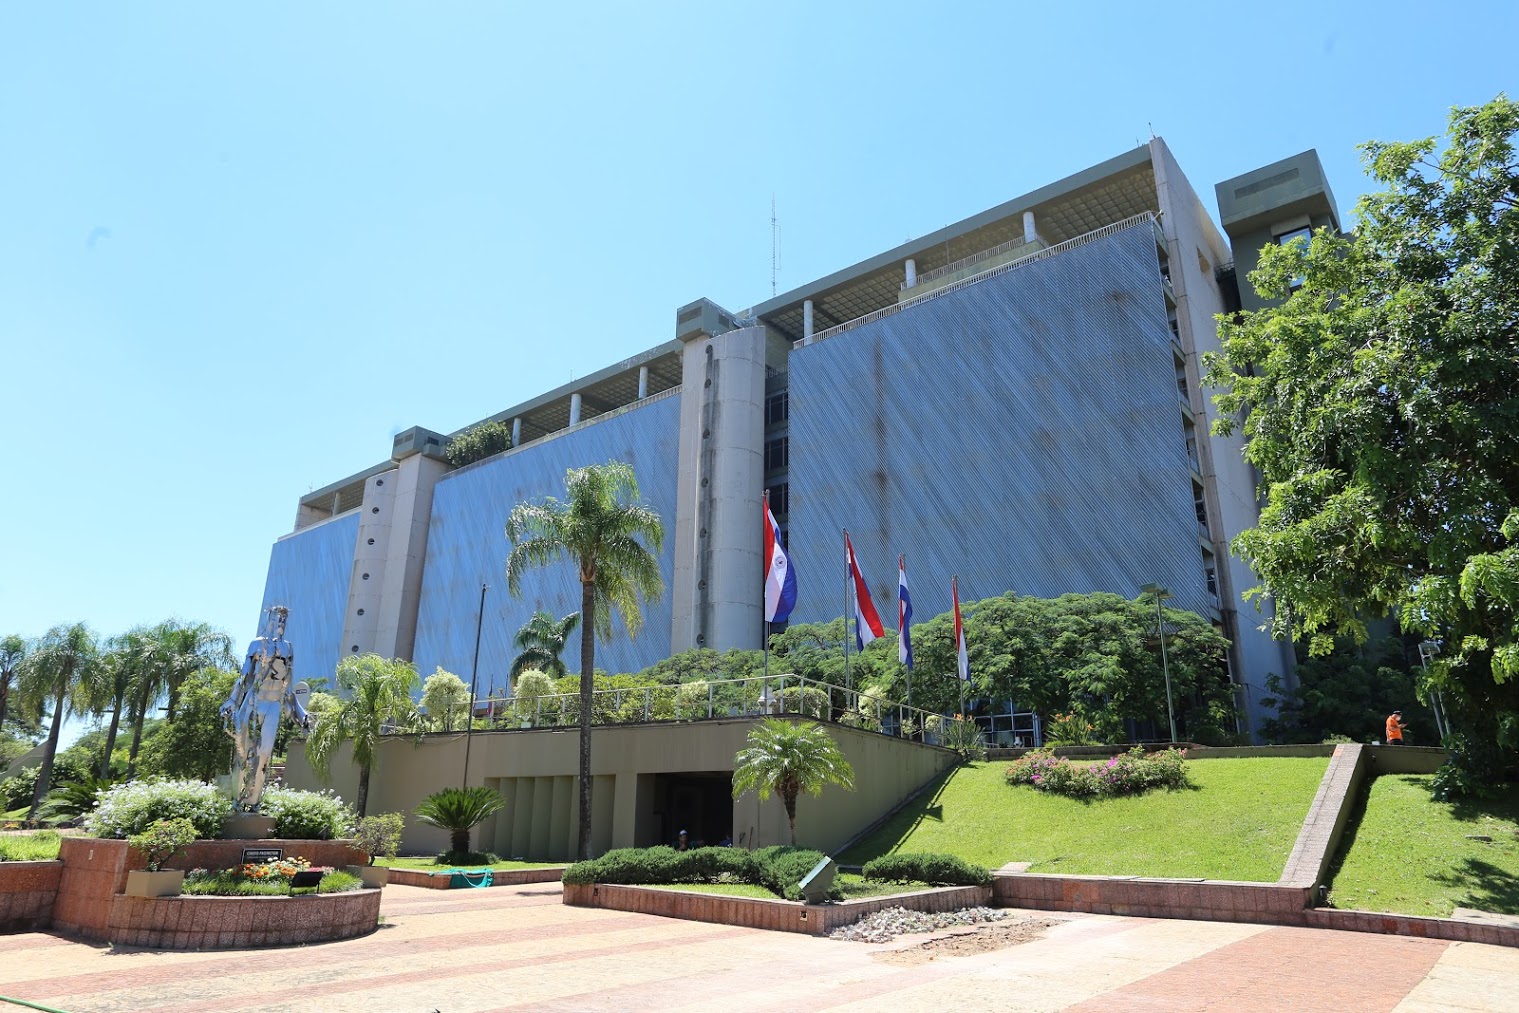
(758,696)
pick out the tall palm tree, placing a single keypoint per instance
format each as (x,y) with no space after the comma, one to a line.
(179,649)
(108,690)
(789,759)
(602,529)
(59,665)
(541,641)
(12,651)
(376,699)
(136,648)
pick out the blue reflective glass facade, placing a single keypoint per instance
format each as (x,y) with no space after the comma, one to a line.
(467,546)
(1024,432)
(309,573)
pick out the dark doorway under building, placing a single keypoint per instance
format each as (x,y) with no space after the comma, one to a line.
(700,803)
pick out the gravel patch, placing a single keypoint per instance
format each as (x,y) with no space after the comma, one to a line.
(887,924)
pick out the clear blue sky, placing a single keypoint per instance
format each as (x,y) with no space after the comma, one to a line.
(243,245)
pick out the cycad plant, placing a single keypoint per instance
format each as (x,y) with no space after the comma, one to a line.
(459,810)
(789,759)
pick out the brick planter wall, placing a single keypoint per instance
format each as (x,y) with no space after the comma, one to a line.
(754,913)
(499,877)
(219,923)
(1205,900)
(95,870)
(27,892)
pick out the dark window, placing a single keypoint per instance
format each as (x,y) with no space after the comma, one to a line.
(777,453)
(1302,237)
(777,408)
(780,500)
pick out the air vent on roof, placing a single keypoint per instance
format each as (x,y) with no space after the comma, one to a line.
(1267,183)
(689,315)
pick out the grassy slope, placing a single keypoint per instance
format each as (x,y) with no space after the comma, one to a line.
(1239,821)
(1412,855)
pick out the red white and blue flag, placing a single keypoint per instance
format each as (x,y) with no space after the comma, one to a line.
(962,659)
(867,624)
(904,615)
(780,578)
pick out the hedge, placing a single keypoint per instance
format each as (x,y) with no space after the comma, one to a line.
(926,867)
(779,869)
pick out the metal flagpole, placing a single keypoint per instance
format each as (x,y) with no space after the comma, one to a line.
(764,591)
(474,682)
(954,589)
(848,600)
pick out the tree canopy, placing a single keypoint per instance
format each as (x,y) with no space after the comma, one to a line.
(1380,403)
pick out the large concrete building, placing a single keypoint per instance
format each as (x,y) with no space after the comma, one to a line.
(1014,399)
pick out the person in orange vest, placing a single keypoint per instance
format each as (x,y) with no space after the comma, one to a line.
(1395,728)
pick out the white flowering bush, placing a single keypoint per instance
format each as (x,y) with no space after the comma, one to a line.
(130,808)
(306,815)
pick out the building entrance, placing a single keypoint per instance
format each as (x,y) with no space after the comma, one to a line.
(700,803)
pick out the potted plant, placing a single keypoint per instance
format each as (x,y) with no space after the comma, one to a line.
(380,837)
(160,841)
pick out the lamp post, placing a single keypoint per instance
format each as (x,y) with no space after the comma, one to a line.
(1427,650)
(1161,594)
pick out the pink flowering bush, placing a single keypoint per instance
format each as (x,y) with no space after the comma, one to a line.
(1126,774)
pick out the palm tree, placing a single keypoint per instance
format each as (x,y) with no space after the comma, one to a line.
(377,698)
(179,649)
(599,529)
(542,640)
(12,651)
(459,810)
(114,683)
(59,665)
(789,759)
(136,648)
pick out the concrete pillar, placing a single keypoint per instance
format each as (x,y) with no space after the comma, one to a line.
(807,318)
(574,408)
(517,431)
(717,592)
(365,602)
(912,272)
(1029,233)
(643,382)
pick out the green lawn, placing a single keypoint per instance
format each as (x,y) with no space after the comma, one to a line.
(1412,855)
(38,847)
(852,886)
(1238,821)
(426,863)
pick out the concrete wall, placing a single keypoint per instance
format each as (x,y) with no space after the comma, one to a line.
(718,587)
(535,771)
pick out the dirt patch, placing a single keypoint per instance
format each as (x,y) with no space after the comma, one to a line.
(969,941)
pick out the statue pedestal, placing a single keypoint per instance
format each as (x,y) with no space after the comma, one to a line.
(247,827)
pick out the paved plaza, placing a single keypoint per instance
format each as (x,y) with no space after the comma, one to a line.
(519,948)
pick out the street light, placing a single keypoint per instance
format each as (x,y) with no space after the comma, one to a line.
(1161,594)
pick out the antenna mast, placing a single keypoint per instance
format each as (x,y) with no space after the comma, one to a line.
(775,246)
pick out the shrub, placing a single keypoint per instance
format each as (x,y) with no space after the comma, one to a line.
(479,442)
(162,840)
(808,700)
(1126,774)
(928,867)
(234,883)
(466,858)
(380,835)
(306,815)
(779,869)
(129,808)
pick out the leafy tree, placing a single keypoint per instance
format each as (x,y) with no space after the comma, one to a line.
(703,663)
(789,758)
(1380,403)
(541,641)
(459,810)
(12,652)
(479,442)
(1348,693)
(196,743)
(445,698)
(58,666)
(178,650)
(604,531)
(378,698)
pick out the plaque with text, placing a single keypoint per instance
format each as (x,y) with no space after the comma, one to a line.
(254,855)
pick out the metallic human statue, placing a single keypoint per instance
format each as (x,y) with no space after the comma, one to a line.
(264,692)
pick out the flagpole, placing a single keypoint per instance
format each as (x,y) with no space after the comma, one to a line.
(848,602)
(902,567)
(764,604)
(954,590)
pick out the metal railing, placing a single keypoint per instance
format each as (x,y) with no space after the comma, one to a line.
(928,277)
(1052,251)
(756,696)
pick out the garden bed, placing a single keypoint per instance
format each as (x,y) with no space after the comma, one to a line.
(752,912)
